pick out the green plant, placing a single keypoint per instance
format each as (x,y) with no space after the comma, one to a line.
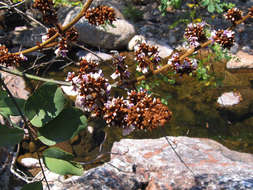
(48,114)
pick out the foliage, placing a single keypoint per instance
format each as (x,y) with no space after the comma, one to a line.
(49,114)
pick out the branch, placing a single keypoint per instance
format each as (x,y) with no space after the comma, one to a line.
(188,53)
(64,28)
(29,76)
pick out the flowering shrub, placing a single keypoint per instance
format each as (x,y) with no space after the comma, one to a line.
(48,115)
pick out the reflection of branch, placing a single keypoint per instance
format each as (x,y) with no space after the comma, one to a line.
(188,53)
(29,76)
(64,28)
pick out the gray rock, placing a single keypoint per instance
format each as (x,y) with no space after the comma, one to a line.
(137,39)
(164,49)
(152,164)
(110,37)
(90,56)
(28,37)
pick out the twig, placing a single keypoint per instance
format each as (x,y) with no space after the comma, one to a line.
(27,16)
(33,77)
(167,139)
(64,28)
(188,53)
(86,49)
(6,6)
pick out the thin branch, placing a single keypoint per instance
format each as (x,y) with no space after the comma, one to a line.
(64,28)
(26,124)
(6,6)
(189,52)
(33,77)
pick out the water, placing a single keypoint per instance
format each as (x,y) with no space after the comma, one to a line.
(195,114)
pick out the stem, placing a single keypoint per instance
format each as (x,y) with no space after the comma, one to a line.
(29,76)
(189,52)
(26,125)
(64,28)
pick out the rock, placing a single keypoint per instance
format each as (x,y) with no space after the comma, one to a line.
(152,164)
(89,56)
(137,39)
(229,99)
(27,37)
(242,60)
(234,112)
(164,49)
(111,37)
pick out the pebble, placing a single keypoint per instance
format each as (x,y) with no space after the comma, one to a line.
(229,99)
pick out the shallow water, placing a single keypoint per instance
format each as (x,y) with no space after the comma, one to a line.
(195,114)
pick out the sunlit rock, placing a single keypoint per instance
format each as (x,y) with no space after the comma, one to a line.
(229,99)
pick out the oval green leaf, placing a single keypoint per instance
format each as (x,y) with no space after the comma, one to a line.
(33,186)
(7,106)
(64,127)
(59,161)
(63,167)
(10,136)
(45,104)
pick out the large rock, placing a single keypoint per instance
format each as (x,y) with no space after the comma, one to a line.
(116,37)
(241,60)
(152,164)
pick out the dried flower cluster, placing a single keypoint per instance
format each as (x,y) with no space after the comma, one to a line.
(121,67)
(46,7)
(251,11)
(100,14)
(91,86)
(9,59)
(147,57)
(233,15)
(195,33)
(225,38)
(184,67)
(68,36)
(139,111)
(50,32)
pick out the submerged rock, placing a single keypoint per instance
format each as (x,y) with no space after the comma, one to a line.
(229,99)
(153,164)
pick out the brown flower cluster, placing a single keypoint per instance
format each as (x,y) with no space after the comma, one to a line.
(121,68)
(251,11)
(147,57)
(68,36)
(233,15)
(146,112)
(9,59)
(46,7)
(92,88)
(100,14)
(195,33)
(225,38)
(139,111)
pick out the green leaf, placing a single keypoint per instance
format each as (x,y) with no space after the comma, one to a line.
(7,106)
(57,153)
(33,186)
(45,104)
(10,136)
(211,7)
(65,126)
(57,161)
